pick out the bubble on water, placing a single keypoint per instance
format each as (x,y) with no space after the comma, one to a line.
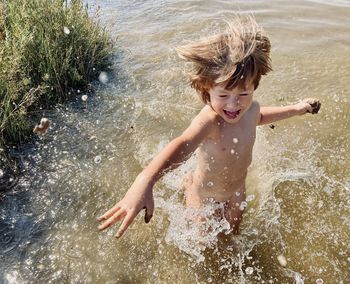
(250,197)
(103,77)
(84,98)
(319,281)
(282,260)
(98,159)
(232,151)
(249,270)
(66,30)
(320,204)
(210,184)
(1,173)
(235,140)
(243,205)
(237,193)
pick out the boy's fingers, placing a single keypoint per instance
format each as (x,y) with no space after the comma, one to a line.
(126,223)
(109,213)
(148,218)
(315,105)
(113,219)
(149,213)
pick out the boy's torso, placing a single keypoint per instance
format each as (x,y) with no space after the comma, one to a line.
(223,158)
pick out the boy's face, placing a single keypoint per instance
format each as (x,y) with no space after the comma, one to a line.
(231,104)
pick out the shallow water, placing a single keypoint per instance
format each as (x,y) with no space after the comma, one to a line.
(299,184)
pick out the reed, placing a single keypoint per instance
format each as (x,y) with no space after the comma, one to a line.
(49,49)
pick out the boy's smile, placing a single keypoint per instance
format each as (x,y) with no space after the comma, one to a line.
(232,114)
(231,104)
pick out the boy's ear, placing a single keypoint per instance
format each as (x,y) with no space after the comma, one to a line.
(206,97)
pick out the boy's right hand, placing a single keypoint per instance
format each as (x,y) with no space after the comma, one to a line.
(138,197)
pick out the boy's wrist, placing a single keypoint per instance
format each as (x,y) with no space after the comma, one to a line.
(146,179)
(299,109)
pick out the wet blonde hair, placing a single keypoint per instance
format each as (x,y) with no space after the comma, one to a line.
(238,54)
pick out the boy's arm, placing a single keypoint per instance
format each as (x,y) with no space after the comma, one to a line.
(140,196)
(272,114)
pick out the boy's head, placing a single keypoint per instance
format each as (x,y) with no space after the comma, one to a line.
(235,57)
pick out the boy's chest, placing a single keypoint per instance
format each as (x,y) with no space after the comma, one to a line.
(231,144)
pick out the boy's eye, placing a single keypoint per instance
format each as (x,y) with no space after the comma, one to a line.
(244,94)
(222,96)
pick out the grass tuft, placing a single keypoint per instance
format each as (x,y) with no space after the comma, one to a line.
(48,50)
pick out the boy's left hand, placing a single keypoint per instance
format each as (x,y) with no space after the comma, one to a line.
(309,105)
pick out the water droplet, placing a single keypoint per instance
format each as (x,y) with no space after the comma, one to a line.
(282,260)
(319,281)
(103,77)
(1,173)
(237,193)
(249,270)
(98,159)
(84,98)
(66,30)
(243,205)
(232,151)
(235,140)
(250,197)
(210,184)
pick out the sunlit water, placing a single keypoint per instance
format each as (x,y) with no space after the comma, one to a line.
(296,226)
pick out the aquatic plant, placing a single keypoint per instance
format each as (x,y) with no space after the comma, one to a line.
(50,50)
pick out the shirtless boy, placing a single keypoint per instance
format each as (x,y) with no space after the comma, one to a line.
(226,71)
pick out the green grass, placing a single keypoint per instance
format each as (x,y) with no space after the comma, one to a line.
(48,50)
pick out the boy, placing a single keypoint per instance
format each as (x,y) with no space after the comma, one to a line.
(226,70)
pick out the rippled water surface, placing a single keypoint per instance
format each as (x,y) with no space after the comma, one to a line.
(296,228)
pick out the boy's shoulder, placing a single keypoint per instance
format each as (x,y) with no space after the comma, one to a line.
(206,119)
(255,107)
(255,110)
(207,115)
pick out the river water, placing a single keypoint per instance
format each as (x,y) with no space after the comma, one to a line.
(296,226)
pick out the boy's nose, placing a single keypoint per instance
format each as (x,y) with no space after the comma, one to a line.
(233,101)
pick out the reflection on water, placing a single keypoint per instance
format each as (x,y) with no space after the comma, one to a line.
(296,225)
